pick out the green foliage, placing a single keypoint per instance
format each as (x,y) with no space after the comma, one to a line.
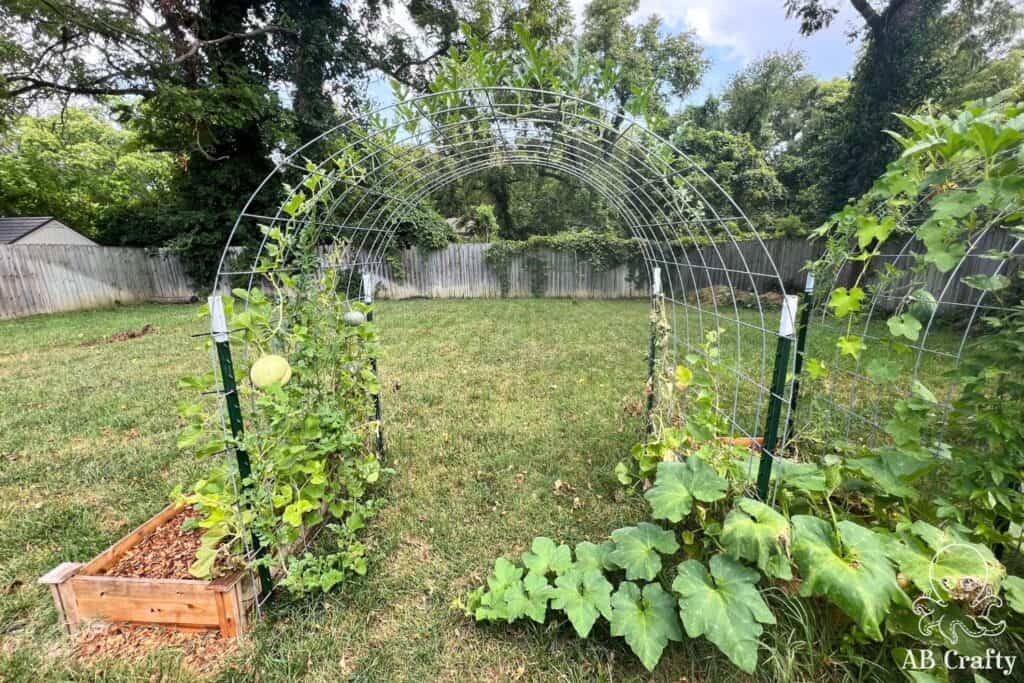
(637,549)
(943,562)
(848,565)
(756,533)
(724,607)
(601,251)
(545,557)
(584,595)
(82,169)
(646,619)
(309,440)
(679,484)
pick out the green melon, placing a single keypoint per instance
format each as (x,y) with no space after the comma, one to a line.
(923,305)
(270,369)
(354,318)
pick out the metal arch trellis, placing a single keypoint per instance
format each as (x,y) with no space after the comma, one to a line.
(380,169)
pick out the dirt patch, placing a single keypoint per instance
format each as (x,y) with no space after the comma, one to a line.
(167,553)
(204,652)
(124,335)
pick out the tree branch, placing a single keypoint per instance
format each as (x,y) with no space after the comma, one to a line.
(872,17)
(32,84)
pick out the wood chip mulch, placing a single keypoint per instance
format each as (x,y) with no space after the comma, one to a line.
(124,335)
(204,652)
(167,553)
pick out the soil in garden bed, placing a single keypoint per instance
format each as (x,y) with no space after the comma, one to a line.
(167,553)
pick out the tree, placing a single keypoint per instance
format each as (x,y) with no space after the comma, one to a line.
(913,50)
(737,166)
(206,81)
(82,169)
(767,99)
(649,65)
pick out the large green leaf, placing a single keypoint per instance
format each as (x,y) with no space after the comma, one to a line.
(855,576)
(647,620)
(593,556)
(583,596)
(757,533)
(725,607)
(678,484)
(529,597)
(546,556)
(893,471)
(941,562)
(1013,591)
(637,547)
(505,577)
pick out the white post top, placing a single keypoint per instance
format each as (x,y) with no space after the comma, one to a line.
(787,325)
(368,284)
(218,323)
(656,282)
(809,286)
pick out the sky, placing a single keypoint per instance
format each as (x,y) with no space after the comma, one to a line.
(734,33)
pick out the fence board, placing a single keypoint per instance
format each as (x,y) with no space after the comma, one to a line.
(52,278)
(49,278)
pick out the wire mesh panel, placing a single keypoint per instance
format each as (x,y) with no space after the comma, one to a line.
(376,171)
(335,210)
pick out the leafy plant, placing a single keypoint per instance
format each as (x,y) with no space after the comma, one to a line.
(724,606)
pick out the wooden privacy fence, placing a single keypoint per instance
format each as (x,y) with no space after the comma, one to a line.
(52,278)
(460,271)
(48,278)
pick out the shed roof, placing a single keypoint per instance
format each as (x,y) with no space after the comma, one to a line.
(14,228)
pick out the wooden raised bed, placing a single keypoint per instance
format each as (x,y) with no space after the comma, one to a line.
(84,592)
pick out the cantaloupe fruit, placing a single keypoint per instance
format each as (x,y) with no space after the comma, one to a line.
(354,318)
(270,369)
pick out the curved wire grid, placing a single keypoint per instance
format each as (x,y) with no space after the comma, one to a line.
(714,265)
(856,405)
(377,170)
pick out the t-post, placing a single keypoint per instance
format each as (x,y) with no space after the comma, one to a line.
(652,349)
(776,398)
(368,285)
(801,343)
(229,390)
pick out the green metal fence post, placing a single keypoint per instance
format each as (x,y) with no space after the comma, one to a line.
(775,400)
(801,343)
(368,285)
(219,328)
(652,349)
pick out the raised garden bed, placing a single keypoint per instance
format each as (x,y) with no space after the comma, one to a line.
(141,579)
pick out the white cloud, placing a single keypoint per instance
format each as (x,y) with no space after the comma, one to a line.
(747,29)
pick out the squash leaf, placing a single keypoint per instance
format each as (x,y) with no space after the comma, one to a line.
(757,533)
(593,556)
(843,302)
(938,561)
(530,597)
(725,607)
(647,620)
(855,576)
(583,596)
(546,556)
(493,605)
(637,547)
(678,484)
(1013,591)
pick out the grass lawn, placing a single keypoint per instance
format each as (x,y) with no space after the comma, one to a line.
(489,403)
